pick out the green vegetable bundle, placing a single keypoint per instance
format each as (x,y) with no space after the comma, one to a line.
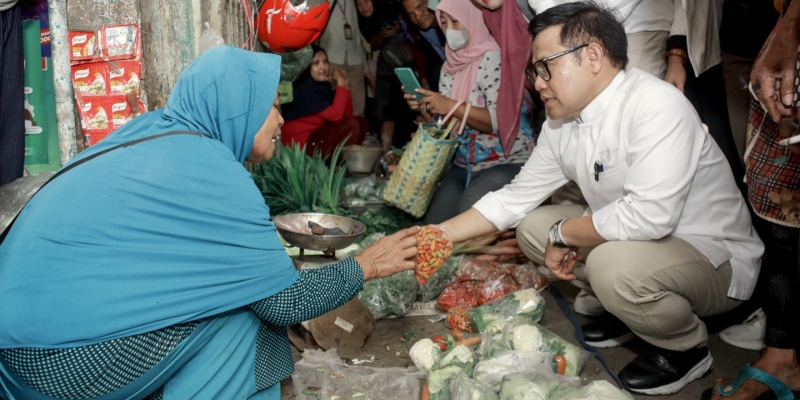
(393,295)
(522,303)
(293,182)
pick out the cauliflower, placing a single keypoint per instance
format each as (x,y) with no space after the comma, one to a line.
(425,353)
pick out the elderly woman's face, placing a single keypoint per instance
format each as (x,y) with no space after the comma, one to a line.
(319,67)
(268,136)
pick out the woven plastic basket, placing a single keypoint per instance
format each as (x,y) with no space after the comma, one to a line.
(416,178)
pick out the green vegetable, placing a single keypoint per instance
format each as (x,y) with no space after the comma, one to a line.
(540,384)
(464,388)
(439,382)
(524,336)
(293,182)
(599,389)
(393,295)
(495,314)
(460,356)
(436,283)
(425,353)
(491,371)
(386,220)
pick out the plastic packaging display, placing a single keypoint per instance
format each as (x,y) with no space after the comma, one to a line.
(425,354)
(390,296)
(460,356)
(491,371)
(458,294)
(433,249)
(323,375)
(596,390)
(457,318)
(539,384)
(209,39)
(464,388)
(436,283)
(525,303)
(523,335)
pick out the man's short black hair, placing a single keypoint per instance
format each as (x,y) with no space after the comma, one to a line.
(584,22)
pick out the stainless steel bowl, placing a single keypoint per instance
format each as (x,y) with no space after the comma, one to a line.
(294,229)
(361,159)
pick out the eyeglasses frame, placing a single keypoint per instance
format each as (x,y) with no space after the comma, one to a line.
(544,61)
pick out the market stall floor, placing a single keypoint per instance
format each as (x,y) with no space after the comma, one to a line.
(386,345)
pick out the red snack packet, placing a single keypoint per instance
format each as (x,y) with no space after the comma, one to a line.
(124,77)
(82,44)
(91,79)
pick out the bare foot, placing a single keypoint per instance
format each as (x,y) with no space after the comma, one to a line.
(780,363)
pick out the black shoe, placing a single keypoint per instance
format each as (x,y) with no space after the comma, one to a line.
(606,331)
(665,372)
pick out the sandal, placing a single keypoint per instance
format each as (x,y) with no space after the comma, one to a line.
(778,389)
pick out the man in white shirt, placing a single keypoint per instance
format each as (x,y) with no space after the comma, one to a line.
(666,237)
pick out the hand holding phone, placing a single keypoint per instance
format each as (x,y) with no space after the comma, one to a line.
(409,80)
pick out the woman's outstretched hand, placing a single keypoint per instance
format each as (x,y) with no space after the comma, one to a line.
(389,255)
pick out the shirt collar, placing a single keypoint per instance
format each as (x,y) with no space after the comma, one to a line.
(596,108)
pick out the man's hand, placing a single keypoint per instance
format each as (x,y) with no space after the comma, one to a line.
(561,260)
(676,73)
(772,76)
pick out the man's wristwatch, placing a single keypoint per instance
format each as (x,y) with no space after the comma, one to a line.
(555,237)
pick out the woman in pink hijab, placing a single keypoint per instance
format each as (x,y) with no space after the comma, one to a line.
(471,72)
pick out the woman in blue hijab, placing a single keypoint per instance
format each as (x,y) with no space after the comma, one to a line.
(153,270)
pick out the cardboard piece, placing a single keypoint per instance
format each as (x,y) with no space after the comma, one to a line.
(345,328)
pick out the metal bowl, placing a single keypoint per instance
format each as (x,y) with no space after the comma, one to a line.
(294,229)
(361,159)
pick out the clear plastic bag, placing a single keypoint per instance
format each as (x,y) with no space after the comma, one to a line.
(390,296)
(491,371)
(522,335)
(494,289)
(596,390)
(463,387)
(323,375)
(522,303)
(541,383)
(460,356)
(528,277)
(458,294)
(492,344)
(209,39)
(437,282)
(457,318)
(478,270)
(425,354)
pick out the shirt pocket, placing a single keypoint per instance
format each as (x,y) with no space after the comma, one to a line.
(609,187)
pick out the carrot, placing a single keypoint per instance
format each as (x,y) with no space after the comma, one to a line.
(426,394)
(475,340)
(562,364)
(457,334)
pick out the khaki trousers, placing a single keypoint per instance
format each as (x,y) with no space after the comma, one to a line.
(658,288)
(355,82)
(648,51)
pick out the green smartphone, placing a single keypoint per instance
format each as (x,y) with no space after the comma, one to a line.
(409,80)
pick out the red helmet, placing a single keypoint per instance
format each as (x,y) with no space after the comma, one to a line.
(285,28)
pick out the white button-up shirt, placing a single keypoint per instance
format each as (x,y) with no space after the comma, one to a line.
(662,175)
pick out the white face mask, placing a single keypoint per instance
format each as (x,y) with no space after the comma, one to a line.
(456,39)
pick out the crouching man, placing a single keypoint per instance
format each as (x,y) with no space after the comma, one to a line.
(666,237)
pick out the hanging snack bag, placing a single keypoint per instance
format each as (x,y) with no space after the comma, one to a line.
(82,44)
(120,42)
(124,76)
(90,79)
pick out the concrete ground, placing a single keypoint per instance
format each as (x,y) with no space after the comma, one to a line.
(727,359)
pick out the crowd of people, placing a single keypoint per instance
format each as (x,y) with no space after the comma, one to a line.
(164,248)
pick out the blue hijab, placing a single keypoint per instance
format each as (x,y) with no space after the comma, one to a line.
(163,232)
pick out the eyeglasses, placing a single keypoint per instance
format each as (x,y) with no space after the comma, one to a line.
(541,69)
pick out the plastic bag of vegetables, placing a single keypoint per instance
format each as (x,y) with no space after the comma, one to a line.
(457,318)
(439,382)
(458,294)
(491,371)
(523,335)
(425,354)
(492,344)
(596,390)
(460,356)
(393,295)
(436,283)
(464,388)
(539,384)
(525,303)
